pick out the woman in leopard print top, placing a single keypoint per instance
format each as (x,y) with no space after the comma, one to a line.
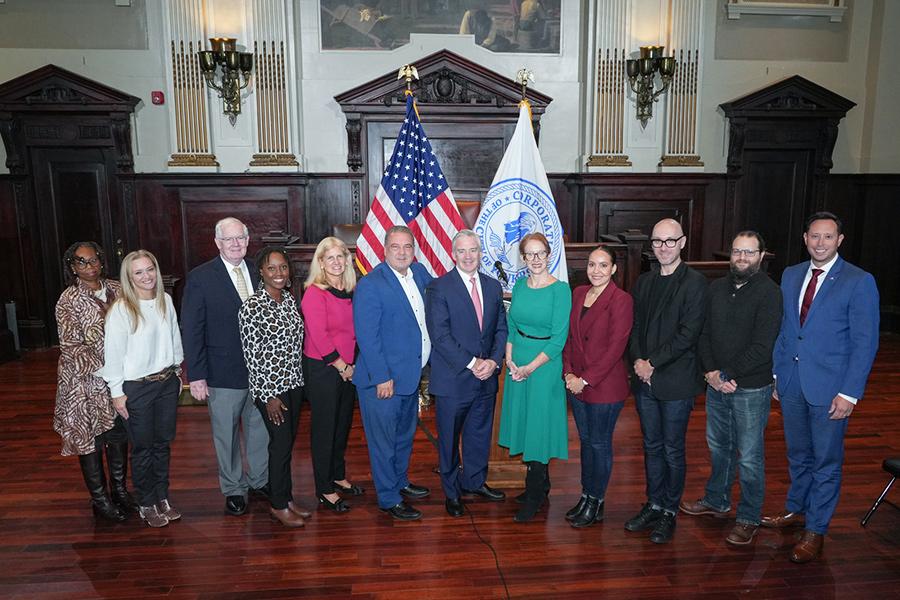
(272,339)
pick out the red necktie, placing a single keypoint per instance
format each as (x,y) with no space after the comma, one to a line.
(809,294)
(476,301)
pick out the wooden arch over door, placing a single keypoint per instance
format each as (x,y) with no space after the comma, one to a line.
(68,147)
(469,112)
(779,156)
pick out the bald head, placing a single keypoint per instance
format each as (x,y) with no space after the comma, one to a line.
(667,241)
(667,229)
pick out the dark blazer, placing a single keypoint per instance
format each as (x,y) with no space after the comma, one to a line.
(668,337)
(456,338)
(209,326)
(387,333)
(835,347)
(595,348)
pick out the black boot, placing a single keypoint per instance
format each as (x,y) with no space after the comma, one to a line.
(92,470)
(534,492)
(590,514)
(117,460)
(520,499)
(576,510)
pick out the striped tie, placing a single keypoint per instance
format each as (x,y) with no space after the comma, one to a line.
(241,284)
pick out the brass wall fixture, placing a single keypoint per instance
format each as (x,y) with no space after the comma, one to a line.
(232,68)
(642,78)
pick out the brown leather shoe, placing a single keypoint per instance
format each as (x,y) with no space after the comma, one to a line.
(742,534)
(697,508)
(287,517)
(305,514)
(783,519)
(808,548)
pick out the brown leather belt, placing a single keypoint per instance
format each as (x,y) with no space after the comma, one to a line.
(161,376)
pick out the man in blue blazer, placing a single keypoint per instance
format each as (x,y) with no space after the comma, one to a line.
(467,325)
(215,363)
(822,358)
(389,319)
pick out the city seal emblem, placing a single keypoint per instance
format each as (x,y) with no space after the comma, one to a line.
(512,209)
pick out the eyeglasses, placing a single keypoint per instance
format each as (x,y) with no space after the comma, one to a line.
(670,243)
(82,263)
(533,255)
(735,252)
(234,238)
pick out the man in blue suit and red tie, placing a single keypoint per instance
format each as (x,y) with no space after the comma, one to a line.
(467,325)
(822,358)
(389,319)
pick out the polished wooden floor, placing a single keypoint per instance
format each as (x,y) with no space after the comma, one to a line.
(51,546)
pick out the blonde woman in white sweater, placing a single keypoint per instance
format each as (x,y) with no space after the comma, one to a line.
(143,354)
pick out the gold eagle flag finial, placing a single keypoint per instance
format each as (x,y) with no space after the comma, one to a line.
(523,76)
(408,72)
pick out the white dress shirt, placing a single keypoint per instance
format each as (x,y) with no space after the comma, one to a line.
(230,268)
(466,281)
(411,290)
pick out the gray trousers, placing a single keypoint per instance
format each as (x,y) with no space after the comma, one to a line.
(233,416)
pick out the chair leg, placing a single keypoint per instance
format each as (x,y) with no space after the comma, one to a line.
(878,502)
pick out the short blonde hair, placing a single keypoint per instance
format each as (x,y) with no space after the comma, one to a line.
(316,275)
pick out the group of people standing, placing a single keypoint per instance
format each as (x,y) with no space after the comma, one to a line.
(252,358)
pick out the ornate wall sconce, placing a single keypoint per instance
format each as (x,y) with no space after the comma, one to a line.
(233,69)
(642,75)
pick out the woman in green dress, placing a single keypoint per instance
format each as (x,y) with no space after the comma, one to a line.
(534,422)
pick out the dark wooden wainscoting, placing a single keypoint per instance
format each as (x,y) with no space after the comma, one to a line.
(173,216)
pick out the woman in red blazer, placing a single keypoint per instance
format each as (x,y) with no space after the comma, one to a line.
(596,377)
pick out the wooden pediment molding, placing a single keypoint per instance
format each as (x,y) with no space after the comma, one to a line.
(450,89)
(51,88)
(792,97)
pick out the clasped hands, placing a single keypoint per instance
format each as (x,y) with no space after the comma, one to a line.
(519,373)
(716,383)
(574,383)
(643,369)
(483,368)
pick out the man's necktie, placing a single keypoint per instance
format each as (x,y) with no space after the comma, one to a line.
(809,294)
(241,284)
(476,301)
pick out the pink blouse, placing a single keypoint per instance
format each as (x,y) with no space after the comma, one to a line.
(328,315)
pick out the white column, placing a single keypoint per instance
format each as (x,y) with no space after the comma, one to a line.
(683,99)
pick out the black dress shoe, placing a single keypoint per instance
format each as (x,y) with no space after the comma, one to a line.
(644,520)
(415,491)
(454,507)
(664,529)
(485,491)
(353,490)
(403,512)
(262,492)
(235,505)
(339,507)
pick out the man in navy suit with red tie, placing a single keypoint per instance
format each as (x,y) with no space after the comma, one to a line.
(467,325)
(822,358)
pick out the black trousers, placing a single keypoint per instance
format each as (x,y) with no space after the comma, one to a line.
(152,408)
(331,402)
(281,446)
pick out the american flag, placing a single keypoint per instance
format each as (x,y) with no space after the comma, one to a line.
(413,192)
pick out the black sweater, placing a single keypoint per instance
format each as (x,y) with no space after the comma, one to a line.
(740,329)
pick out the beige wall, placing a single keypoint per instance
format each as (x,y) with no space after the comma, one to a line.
(853,59)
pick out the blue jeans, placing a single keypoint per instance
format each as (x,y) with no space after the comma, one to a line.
(664,427)
(735,434)
(595,423)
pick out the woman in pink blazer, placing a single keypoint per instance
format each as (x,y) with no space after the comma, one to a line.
(596,377)
(329,354)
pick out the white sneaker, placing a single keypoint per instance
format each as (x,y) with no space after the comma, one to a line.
(152,516)
(166,510)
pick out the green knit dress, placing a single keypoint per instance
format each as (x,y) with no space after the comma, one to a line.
(534,421)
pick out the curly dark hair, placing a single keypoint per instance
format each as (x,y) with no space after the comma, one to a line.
(69,259)
(262,259)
